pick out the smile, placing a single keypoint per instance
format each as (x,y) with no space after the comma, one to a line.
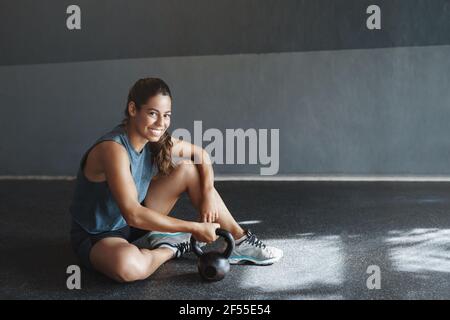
(156,132)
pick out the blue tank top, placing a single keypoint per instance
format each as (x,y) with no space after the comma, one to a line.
(93,206)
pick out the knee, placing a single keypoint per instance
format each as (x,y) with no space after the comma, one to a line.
(187,168)
(129,269)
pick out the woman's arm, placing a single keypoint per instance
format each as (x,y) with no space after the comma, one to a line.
(115,163)
(182,149)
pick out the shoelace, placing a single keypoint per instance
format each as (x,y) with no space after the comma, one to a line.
(254,241)
(183,247)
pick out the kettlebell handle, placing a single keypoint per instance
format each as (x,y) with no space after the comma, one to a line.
(220,232)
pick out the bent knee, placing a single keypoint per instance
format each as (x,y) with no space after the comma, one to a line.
(130,269)
(186,167)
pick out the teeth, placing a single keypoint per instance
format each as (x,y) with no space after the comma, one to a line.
(156,131)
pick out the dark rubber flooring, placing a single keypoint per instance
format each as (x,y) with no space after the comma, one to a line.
(330,233)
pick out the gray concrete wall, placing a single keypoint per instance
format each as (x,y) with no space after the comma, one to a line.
(35,31)
(346,110)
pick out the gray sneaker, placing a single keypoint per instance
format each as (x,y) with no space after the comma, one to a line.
(254,251)
(178,242)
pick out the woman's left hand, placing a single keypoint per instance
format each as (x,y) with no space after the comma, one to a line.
(209,211)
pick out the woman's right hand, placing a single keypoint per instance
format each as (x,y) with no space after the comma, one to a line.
(206,232)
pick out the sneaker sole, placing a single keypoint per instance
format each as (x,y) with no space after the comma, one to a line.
(246,259)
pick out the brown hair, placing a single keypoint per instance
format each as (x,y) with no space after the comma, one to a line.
(139,93)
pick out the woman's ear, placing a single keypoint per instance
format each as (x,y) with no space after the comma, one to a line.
(132,108)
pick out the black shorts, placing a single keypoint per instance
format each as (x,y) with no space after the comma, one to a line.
(82,241)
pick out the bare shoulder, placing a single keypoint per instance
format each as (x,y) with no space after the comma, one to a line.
(111,148)
(100,155)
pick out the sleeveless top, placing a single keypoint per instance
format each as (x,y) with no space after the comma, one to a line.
(93,206)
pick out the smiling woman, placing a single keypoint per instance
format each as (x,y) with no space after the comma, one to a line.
(127,185)
(149,104)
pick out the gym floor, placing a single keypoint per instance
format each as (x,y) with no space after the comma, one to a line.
(331,232)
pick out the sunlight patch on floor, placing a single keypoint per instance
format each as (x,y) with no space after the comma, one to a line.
(420,250)
(311,267)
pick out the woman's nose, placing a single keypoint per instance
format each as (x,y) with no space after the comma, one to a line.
(160,121)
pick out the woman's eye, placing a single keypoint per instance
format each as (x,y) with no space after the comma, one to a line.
(152,113)
(167,115)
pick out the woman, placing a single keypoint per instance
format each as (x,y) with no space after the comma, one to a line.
(114,202)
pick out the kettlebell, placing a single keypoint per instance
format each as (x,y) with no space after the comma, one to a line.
(214,265)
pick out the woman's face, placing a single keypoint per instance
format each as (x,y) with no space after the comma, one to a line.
(154,117)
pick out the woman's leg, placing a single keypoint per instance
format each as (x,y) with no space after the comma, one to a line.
(164,191)
(124,262)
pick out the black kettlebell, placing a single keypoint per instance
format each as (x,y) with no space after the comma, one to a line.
(213,266)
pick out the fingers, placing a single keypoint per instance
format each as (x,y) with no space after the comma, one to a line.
(207,217)
(209,234)
(216,226)
(214,216)
(210,217)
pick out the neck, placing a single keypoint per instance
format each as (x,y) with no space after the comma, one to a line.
(137,142)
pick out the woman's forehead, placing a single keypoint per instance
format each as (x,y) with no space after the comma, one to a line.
(160,103)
